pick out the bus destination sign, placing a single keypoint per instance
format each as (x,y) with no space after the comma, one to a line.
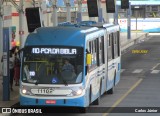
(53,51)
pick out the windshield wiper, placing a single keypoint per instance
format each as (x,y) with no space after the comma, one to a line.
(36,83)
(65,82)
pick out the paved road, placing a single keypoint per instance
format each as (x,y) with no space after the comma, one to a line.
(139,84)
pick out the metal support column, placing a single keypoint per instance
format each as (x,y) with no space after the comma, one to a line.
(79,14)
(68,6)
(6,72)
(54,16)
(116,14)
(21,24)
(129,22)
(100,12)
(43,9)
(34,3)
(1,33)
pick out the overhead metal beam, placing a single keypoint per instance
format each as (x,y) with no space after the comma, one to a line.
(15,5)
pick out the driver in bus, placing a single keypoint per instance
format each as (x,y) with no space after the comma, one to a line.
(67,66)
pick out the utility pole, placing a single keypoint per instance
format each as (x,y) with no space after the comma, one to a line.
(68,6)
(54,16)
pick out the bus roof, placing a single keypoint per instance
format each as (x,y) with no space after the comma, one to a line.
(110,27)
(96,24)
(101,25)
(71,36)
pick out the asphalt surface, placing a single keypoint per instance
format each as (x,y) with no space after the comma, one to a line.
(138,88)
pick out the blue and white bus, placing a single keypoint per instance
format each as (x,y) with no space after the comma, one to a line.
(93,53)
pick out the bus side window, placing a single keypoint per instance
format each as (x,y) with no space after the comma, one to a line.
(93,50)
(109,47)
(118,43)
(103,55)
(90,46)
(112,45)
(95,56)
(115,45)
(101,50)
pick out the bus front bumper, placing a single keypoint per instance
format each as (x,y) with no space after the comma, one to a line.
(75,102)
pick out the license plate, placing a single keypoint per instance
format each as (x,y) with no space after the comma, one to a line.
(42,91)
(50,101)
(50,91)
(45,91)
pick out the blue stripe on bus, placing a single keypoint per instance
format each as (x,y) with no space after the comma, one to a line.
(79,102)
(144,30)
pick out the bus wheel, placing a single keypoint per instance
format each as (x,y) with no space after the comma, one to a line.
(90,95)
(83,110)
(112,89)
(97,101)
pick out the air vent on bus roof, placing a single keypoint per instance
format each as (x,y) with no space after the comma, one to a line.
(87,23)
(89,30)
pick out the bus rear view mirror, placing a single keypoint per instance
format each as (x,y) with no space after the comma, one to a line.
(89,59)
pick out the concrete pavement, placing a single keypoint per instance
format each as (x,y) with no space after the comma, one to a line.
(136,37)
(14,95)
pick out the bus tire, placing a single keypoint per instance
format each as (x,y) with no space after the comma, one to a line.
(111,91)
(97,101)
(115,78)
(100,88)
(90,95)
(83,110)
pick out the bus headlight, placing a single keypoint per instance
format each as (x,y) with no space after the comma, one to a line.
(76,92)
(24,91)
(79,91)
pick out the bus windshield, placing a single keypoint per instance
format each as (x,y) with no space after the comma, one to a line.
(52,65)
